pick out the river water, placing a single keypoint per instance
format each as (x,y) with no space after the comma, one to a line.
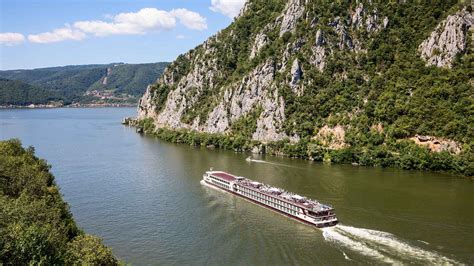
(143,197)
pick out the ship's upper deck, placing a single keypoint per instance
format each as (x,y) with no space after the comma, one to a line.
(279,193)
(224,176)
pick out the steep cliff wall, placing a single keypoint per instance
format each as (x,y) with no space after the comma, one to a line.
(304,71)
(447,40)
(201,73)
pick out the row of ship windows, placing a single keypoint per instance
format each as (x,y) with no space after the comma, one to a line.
(270,203)
(269,199)
(219,184)
(220,180)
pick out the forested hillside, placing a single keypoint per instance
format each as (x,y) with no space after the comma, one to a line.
(15,92)
(84,83)
(362,82)
(36,226)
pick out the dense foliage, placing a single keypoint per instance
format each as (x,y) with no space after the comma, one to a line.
(385,83)
(70,83)
(36,226)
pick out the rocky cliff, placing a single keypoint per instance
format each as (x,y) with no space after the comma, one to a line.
(324,72)
(447,40)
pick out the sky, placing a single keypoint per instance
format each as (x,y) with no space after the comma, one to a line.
(45,33)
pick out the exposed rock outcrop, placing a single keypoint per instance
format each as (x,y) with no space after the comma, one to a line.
(377,128)
(332,137)
(357,16)
(435,144)
(145,105)
(241,98)
(318,57)
(291,49)
(345,40)
(447,40)
(296,72)
(293,11)
(371,20)
(271,119)
(260,40)
(319,38)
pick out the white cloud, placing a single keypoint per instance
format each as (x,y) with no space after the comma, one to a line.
(57,35)
(190,19)
(143,21)
(230,8)
(180,37)
(11,38)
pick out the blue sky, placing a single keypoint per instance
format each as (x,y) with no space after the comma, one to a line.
(43,33)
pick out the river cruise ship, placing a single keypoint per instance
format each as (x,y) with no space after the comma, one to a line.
(295,206)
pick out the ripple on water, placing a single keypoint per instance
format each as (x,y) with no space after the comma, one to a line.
(382,246)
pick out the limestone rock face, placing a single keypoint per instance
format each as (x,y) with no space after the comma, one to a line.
(296,72)
(145,105)
(345,40)
(260,40)
(319,38)
(447,40)
(271,119)
(290,50)
(240,98)
(184,93)
(318,57)
(293,11)
(357,17)
(371,20)
(217,121)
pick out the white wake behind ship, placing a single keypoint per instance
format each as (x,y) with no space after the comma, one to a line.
(295,206)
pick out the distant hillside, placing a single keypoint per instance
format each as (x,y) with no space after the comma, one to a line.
(15,92)
(116,82)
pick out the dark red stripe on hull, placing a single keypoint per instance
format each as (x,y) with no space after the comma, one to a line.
(276,210)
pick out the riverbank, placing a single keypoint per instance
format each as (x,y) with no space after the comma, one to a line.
(73,105)
(37,226)
(398,153)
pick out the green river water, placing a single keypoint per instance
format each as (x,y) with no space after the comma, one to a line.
(144,198)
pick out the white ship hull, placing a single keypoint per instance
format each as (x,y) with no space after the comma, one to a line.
(293,206)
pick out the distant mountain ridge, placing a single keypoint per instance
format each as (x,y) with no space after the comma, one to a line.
(98,83)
